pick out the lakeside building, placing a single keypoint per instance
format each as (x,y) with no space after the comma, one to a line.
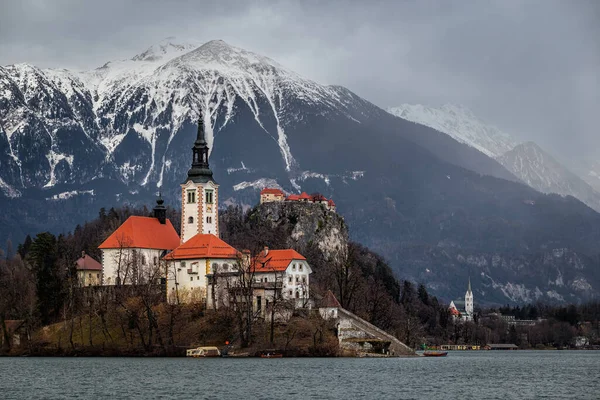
(199,266)
(463,310)
(269,195)
(89,271)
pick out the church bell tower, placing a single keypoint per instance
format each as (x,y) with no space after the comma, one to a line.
(199,193)
(469,299)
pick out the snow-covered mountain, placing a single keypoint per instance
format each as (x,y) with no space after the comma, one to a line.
(527,161)
(543,172)
(460,123)
(72,142)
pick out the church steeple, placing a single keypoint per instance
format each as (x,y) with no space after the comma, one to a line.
(469,288)
(160,212)
(200,171)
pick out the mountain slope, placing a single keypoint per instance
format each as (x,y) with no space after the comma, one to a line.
(75,142)
(526,161)
(542,172)
(461,124)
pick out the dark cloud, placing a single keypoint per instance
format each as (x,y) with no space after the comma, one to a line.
(530,67)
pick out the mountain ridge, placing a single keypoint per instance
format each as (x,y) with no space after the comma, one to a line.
(421,198)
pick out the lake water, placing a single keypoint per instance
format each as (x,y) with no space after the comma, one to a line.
(461,375)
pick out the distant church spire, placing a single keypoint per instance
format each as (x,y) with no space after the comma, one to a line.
(469,288)
(200,171)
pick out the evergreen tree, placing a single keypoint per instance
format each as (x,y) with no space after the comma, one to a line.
(43,257)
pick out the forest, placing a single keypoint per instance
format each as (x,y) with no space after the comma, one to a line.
(38,287)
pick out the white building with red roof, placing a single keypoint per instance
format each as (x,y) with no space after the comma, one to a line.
(282,273)
(194,268)
(268,195)
(132,254)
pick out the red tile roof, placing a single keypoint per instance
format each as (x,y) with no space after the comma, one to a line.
(203,246)
(329,300)
(275,260)
(143,233)
(276,192)
(86,263)
(293,197)
(331,203)
(305,196)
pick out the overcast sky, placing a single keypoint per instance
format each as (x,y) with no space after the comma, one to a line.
(529,67)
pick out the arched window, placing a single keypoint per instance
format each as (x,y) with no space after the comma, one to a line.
(190,220)
(297,295)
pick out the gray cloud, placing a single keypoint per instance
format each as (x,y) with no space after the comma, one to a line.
(530,67)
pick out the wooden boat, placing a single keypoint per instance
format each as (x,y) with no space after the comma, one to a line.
(430,353)
(207,351)
(271,355)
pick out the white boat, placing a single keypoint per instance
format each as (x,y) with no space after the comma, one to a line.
(205,351)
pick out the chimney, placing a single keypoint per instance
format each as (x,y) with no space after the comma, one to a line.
(266,250)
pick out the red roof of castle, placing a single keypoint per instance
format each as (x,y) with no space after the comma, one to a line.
(275,260)
(86,263)
(202,246)
(304,196)
(276,192)
(330,202)
(143,233)
(293,197)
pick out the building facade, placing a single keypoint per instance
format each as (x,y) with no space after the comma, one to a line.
(89,271)
(133,253)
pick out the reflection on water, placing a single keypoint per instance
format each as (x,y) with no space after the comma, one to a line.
(461,375)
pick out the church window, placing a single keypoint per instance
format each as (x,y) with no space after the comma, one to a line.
(300,267)
(155,260)
(304,279)
(297,295)
(290,279)
(209,220)
(191,196)
(209,197)
(190,220)
(191,278)
(294,267)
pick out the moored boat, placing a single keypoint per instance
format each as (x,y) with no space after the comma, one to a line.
(207,351)
(435,353)
(271,355)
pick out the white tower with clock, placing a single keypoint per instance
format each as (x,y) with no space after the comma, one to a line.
(199,193)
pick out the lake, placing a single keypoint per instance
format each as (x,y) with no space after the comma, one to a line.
(461,375)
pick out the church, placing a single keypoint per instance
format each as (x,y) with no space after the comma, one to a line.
(463,310)
(199,266)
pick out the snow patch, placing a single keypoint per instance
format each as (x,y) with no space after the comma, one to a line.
(258,184)
(8,190)
(69,194)
(54,158)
